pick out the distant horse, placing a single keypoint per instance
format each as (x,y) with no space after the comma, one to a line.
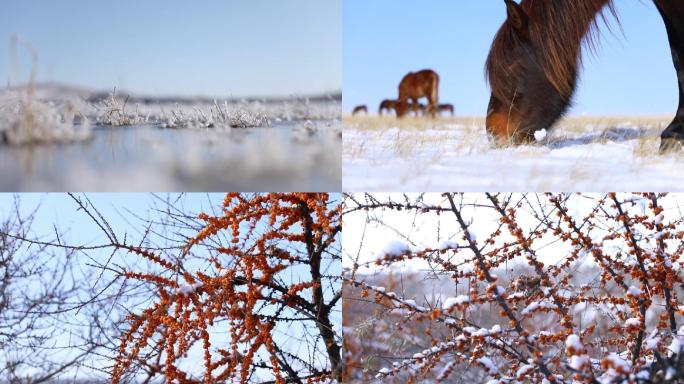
(446,108)
(421,109)
(387,105)
(535,57)
(417,85)
(418,109)
(360,109)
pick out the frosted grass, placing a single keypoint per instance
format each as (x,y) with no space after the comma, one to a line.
(53,140)
(25,121)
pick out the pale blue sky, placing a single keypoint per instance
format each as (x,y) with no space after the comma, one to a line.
(632,74)
(169,47)
(60,211)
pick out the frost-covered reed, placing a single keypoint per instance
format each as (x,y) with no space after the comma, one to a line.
(219,115)
(113,112)
(24,120)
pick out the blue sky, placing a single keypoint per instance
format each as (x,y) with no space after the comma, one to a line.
(60,211)
(631,74)
(207,47)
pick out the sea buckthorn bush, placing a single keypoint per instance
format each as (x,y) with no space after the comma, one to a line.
(251,296)
(513,288)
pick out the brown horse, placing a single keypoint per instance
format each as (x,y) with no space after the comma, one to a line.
(415,86)
(360,109)
(534,62)
(418,109)
(387,105)
(446,108)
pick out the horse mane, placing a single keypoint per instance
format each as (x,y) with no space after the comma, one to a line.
(557,32)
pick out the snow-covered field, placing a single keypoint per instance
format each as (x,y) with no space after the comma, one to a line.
(57,138)
(579,154)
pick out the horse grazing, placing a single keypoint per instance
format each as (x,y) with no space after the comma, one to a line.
(446,108)
(387,105)
(534,62)
(415,86)
(360,109)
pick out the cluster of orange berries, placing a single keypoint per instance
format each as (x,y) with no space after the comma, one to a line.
(245,280)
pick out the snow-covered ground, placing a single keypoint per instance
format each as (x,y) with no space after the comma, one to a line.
(580,154)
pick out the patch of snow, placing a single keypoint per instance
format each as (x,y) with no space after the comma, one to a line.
(393,248)
(652,341)
(471,236)
(453,301)
(633,322)
(524,370)
(488,364)
(574,342)
(537,305)
(445,371)
(633,291)
(541,134)
(186,289)
(447,244)
(670,374)
(383,372)
(677,343)
(579,308)
(412,304)
(517,295)
(618,362)
(658,219)
(643,375)
(577,362)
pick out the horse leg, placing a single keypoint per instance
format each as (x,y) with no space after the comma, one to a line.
(402,107)
(432,108)
(673,16)
(433,105)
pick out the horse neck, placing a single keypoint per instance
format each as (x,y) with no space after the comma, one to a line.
(562,27)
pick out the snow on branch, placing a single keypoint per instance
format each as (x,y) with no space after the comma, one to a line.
(561,288)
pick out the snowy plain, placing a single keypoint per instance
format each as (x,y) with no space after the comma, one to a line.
(580,153)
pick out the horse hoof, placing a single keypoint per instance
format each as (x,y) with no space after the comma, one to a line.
(671,142)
